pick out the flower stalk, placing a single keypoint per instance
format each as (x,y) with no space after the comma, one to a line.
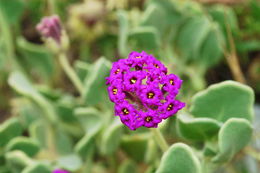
(56,38)
(70,72)
(159,139)
(231,57)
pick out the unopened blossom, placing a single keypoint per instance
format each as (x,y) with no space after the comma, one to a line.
(50,27)
(60,171)
(143,93)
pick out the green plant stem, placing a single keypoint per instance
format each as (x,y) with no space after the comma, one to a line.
(231,56)
(52,6)
(63,59)
(159,139)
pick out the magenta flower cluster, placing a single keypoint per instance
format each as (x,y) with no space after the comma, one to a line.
(50,27)
(60,171)
(143,93)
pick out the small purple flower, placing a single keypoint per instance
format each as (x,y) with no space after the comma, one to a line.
(170,107)
(60,171)
(133,80)
(150,119)
(171,81)
(155,66)
(151,94)
(143,93)
(137,59)
(50,27)
(115,91)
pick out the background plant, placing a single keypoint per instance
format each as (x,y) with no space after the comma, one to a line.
(47,123)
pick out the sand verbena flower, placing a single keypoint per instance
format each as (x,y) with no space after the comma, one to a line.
(60,171)
(143,93)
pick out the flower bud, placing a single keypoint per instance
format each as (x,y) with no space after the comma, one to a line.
(50,27)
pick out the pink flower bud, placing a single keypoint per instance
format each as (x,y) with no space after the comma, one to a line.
(50,27)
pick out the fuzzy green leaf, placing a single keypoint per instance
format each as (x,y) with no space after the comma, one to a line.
(82,69)
(63,142)
(94,87)
(27,111)
(25,144)
(8,130)
(211,50)
(144,38)
(224,100)
(17,161)
(89,119)
(179,158)
(85,145)
(197,129)
(70,162)
(123,32)
(38,133)
(152,17)
(22,85)
(233,136)
(37,57)
(127,166)
(191,36)
(12,10)
(111,138)
(135,146)
(37,168)
(224,14)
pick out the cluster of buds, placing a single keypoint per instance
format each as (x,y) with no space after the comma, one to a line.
(143,93)
(60,171)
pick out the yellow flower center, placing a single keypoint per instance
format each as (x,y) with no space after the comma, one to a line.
(148,119)
(138,57)
(133,80)
(117,71)
(125,111)
(171,82)
(114,91)
(170,107)
(150,95)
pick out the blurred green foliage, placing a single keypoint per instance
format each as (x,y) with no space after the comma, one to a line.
(48,124)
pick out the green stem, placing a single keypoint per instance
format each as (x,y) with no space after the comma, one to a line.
(63,59)
(159,139)
(52,6)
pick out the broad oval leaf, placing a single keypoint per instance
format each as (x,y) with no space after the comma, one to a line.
(233,136)
(9,130)
(197,129)
(224,100)
(25,144)
(179,158)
